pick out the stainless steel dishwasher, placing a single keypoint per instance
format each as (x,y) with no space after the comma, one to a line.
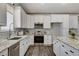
(14,50)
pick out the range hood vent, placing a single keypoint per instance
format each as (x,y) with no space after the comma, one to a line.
(38,26)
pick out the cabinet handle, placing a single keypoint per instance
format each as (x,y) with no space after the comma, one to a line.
(3,55)
(62,45)
(66,52)
(71,51)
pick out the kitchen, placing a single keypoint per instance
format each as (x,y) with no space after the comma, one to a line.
(39,29)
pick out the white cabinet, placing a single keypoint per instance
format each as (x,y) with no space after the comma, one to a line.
(58,17)
(73,21)
(47,39)
(38,18)
(59,50)
(31,39)
(23,46)
(30,21)
(19,17)
(42,19)
(56,47)
(71,50)
(25,43)
(62,49)
(4,52)
(64,52)
(3,15)
(47,21)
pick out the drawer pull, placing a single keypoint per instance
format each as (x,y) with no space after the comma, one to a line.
(62,45)
(71,51)
(3,55)
(66,52)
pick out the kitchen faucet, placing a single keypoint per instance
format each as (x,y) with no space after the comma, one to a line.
(10,30)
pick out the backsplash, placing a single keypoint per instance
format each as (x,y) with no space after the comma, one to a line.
(4,35)
(33,31)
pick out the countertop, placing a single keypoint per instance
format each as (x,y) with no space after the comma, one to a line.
(5,43)
(74,43)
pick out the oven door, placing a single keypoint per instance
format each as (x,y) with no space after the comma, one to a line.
(38,39)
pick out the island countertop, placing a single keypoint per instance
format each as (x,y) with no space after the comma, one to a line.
(69,41)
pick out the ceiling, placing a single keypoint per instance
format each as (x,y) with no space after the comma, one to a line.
(51,7)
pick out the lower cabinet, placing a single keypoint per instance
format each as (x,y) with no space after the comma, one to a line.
(64,52)
(71,51)
(57,49)
(4,52)
(24,44)
(47,39)
(62,49)
(31,39)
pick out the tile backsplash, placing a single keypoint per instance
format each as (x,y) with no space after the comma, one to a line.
(33,31)
(4,35)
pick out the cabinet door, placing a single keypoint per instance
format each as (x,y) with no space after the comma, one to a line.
(17,19)
(31,21)
(28,21)
(3,10)
(23,19)
(57,49)
(47,39)
(20,18)
(38,18)
(46,21)
(70,50)
(31,40)
(22,48)
(64,52)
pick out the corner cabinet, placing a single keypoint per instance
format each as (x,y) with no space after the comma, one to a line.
(20,18)
(3,15)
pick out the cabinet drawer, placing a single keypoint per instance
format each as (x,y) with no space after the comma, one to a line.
(70,49)
(4,53)
(64,52)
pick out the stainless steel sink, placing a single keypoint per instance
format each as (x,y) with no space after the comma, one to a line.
(15,38)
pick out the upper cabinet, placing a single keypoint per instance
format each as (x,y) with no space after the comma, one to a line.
(30,21)
(47,21)
(20,18)
(42,19)
(38,18)
(3,17)
(73,21)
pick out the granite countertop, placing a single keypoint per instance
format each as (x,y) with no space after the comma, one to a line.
(5,43)
(71,42)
